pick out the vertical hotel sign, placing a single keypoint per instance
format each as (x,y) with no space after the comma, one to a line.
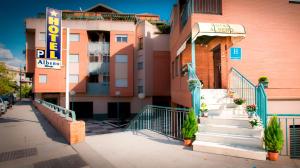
(52,56)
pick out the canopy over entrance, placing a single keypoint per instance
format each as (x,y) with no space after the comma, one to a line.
(236,31)
(218,29)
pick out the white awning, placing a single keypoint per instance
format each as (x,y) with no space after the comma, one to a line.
(182,48)
(218,29)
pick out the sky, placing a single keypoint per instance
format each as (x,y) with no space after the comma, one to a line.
(14,12)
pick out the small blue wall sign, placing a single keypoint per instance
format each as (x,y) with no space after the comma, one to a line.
(235,53)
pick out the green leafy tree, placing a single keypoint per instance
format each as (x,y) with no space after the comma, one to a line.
(273,136)
(26,90)
(7,85)
(190,125)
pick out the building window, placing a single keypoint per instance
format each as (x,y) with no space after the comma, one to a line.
(208,6)
(140,65)
(42,36)
(106,58)
(140,43)
(121,58)
(74,58)
(74,37)
(42,79)
(140,86)
(74,78)
(93,78)
(106,78)
(121,71)
(294,1)
(140,89)
(122,83)
(94,58)
(121,38)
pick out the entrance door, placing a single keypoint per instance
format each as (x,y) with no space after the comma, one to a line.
(83,110)
(118,110)
(217,67)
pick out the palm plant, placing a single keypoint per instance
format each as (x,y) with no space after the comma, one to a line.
(190,125)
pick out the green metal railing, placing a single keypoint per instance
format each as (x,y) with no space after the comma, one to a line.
(68,114)
(196,97)
(242,86)
(164,120)
(290,124)
(245,89)
(262,104)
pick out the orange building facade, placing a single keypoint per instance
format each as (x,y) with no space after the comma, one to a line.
(269,44)
(110,58)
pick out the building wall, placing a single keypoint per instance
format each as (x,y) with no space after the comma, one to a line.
(122,49)
(269,49)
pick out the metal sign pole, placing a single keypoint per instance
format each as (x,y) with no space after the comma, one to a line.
(67,72)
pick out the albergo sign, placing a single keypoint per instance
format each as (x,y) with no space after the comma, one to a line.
(52,56)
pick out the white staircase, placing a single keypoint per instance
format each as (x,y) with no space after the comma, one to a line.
(226,129)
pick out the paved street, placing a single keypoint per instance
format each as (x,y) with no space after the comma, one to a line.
(28,140)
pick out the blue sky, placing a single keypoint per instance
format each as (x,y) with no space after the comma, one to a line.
(14,12)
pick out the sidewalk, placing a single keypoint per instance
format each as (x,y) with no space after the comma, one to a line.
(28,140)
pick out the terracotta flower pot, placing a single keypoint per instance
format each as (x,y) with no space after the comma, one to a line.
(273,156)
(187,142)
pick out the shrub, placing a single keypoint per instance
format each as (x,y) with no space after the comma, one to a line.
(263,79)
(190,125)
(273,137)
(239,101)
(251,108)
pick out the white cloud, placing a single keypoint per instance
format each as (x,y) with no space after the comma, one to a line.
(7,57)
(5,53)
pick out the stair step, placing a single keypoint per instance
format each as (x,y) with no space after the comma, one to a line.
(230,150)
(230,129)
(230,139)
(223,120)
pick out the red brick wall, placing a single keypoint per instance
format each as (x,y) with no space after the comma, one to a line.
(73,131)
(161,73)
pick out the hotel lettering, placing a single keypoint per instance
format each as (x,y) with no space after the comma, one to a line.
(52,57)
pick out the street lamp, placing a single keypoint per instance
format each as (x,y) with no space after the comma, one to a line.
(72,93)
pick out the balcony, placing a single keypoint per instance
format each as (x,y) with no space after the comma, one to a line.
(99,48)
(98,67)
(199,6)
(97,89)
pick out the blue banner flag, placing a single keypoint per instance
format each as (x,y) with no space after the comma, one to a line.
(51,57)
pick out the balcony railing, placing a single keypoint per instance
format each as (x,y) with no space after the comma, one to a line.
(200,6)
(97,89)
(98,68)
(99,48)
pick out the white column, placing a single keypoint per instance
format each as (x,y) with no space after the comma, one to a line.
(67,105)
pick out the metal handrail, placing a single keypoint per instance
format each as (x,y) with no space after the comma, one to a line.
(196,97)
(58,109)
(164,120)
(243,87)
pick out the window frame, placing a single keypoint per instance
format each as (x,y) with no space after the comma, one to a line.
(46,78)
(122,37)
(72,75)
(72,60)
(71,39)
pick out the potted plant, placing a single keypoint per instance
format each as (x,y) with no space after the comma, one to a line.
(239,102)
(251,109)
(190,127)
(231,94)
(264,80)
(273,138)
(255,122)
(204,109)
(192,84)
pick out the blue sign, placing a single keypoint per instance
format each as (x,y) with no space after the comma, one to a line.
(235,53)
(53,41)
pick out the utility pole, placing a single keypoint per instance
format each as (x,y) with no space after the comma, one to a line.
(67,103)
